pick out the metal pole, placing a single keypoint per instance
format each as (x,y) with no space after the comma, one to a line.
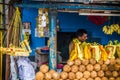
(1,56)
(0,42)
(52,38)
(3,17)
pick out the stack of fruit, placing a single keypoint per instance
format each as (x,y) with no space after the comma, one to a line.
(98,63)
(45,74)
(86,69)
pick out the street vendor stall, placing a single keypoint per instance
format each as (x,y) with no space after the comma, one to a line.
(96,59)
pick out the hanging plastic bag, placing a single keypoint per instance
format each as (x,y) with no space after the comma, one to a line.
(96,54)
(13,69)
(110,49)
(25,68)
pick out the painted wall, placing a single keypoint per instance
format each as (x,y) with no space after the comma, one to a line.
(69,22)
(29,15)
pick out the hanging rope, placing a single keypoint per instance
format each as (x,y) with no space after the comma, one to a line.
(14,29)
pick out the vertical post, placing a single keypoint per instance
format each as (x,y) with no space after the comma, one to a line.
(52,38)
(0,42)
(3,17)
(0,55)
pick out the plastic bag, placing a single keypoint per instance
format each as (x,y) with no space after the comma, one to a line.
(25,68)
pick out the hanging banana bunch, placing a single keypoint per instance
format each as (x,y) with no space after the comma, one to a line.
(110,29)
(115,27)
(118,29)
(107,30)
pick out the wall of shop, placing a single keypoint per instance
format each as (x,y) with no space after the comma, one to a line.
(69,22)
(29,15)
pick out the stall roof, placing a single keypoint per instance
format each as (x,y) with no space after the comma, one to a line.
(57,4)
(91,1)
(112,6)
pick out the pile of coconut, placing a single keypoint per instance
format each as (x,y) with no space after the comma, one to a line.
(83,70)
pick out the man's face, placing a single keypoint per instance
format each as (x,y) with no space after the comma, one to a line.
(83,37)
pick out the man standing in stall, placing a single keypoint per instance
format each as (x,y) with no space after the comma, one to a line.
(77,44)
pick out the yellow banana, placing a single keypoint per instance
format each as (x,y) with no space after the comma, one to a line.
(118,31)
(118,51)
(116,27)
(108,31)
(87,52)
(111,30)
(104,29)
(104,55)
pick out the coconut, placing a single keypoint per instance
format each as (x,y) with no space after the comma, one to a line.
(89,67)
(112,61)
(64,75)
(71,75)
(66,68)
(117,67)
(92,61)
(112,78)
(70,63)
(118,61)
(118,78)
(83,79)
(86,74)
(48,76)
(51,71)
(39,76)
(97,78)
(100,62)
(97,67)
(79,75)
(93,74)
(107,62)
(85,62)
(108,73)
(104,67)
(119,73)
(111,67)
(77,62)
(115,74)
(74,68)
(82,68)
(90,79)
(100,73)
(56,76)
(44,68)
(104,78)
